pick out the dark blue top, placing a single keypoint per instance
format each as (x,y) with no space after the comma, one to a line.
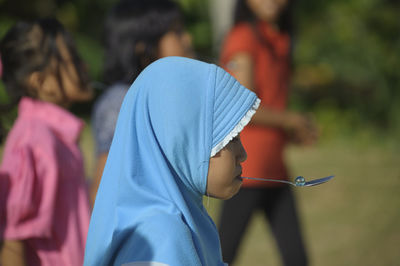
(105,114)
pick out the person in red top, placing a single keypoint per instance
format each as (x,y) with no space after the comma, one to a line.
(257,52)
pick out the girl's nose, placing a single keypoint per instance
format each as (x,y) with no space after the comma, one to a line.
(242,155)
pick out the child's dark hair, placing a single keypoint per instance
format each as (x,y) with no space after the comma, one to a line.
(133,30)
(29,47)
(243,13)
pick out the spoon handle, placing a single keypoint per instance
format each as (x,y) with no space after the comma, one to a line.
(270,180)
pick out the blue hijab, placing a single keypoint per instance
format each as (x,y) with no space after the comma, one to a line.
(149,203)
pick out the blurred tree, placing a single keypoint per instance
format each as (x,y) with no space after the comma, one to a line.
(347,55)
(198,24)
(85,20)
(221,21)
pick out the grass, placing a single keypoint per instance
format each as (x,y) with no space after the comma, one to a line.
(352,220)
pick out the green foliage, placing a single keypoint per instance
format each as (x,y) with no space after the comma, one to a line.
(198,25)
(92,52)
(348,52)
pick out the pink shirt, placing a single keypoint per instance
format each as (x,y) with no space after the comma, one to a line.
(46,204)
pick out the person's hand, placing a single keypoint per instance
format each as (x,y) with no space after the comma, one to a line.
(301,128)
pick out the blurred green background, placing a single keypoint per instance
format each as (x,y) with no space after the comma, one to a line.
(346,72)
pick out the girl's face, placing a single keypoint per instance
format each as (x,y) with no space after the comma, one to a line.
(224,172)
(175,44)
(48,82)
(267,10)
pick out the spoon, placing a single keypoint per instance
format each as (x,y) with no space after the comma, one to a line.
(298,182)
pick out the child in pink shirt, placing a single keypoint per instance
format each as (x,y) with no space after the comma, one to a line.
(45,215)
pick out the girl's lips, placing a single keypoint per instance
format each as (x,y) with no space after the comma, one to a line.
(239,171)
(238,179)
(239,176)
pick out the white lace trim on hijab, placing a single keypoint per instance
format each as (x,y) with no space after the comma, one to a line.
(237,129)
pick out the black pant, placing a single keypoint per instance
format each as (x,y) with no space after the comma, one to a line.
(278,205)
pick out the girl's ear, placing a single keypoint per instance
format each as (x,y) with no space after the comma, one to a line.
(44,87)
(140,51)
(34,83)
(140,48)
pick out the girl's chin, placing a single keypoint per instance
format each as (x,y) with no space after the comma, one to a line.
(236,191)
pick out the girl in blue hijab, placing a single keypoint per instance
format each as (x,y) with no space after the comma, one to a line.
(176,140)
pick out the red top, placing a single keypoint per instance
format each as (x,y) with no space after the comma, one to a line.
(264,146)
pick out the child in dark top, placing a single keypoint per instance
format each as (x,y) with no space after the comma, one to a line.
(137,33)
